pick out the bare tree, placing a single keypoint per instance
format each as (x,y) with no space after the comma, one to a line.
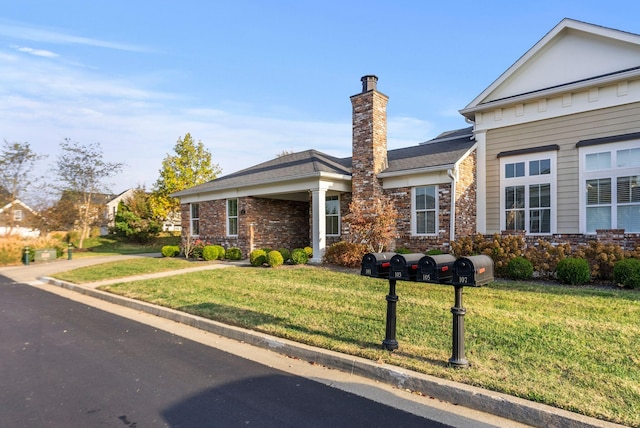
(81,173)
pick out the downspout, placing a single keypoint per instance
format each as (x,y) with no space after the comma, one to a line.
(452,218)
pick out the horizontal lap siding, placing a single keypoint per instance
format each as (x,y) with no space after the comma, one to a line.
(564,131)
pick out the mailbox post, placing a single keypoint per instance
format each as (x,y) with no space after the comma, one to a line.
(390,343)
(457,356)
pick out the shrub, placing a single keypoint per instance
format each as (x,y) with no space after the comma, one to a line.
(545,256)
(573,271)
(170,250)
(257,257)
(234,253)
(346,254)
(627,273)
(299,257)
(210,252)
(519,268)
(601,258)
(286,254)
(309,252)
(403,250)
(500,248)
(434,252)
(274,258)
(221,252)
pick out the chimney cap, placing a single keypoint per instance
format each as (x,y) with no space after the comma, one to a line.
(369,83)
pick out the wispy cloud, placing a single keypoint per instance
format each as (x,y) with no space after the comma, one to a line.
(31,33)
(35,52)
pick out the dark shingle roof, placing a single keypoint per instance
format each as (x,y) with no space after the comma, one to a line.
(444,150)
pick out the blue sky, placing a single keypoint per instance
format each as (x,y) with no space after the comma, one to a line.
(253,78)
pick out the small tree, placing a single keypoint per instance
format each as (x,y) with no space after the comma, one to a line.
(135,220)
(189,166)
(81,172)
(372,224)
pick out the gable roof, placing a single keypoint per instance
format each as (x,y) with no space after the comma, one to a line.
(572,55)
(17,202)
(439,153)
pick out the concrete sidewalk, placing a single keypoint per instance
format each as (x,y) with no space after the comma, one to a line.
(502,405)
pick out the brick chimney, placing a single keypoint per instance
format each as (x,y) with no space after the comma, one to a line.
(369,142)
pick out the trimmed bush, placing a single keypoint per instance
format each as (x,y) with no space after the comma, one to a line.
(221,252)
(345,254)
(257,257)
(627,273)
(286,254)
(170,251)
(299,257)
(309,252)
(519,268)
(234,253)
(573,271)
(210,252)
(274,258)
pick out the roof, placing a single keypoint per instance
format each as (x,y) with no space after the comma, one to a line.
(442,151)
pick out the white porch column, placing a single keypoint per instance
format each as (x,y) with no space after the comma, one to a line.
(318,219)
(481,182)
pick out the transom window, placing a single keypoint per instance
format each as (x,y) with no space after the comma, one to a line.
(527,184)
(425,210)
(611,187)
(195,219)
(232,217)
(332,215)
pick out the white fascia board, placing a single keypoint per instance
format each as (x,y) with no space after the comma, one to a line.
(327,181)
(417,177)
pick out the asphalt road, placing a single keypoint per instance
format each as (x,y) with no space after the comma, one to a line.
(68,364)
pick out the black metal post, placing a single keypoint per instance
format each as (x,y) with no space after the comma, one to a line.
(27,256)
(457,358)
(69,251)
(390,343)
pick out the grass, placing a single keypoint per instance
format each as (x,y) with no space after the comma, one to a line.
(111,245)
(570,347)
(123,268)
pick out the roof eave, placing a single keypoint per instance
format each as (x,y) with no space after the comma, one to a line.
(424,170)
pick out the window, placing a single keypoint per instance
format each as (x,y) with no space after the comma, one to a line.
(232,217)
(17,215)
(195,219)
(610,187)
(332,215)
(528,184)
(425,211)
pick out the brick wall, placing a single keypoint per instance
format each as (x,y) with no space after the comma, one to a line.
(266,223)
(466,197)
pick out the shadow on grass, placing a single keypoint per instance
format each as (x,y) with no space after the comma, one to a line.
(232,315)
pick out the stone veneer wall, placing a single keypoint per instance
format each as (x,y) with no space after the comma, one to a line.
(267,223)
(465,215)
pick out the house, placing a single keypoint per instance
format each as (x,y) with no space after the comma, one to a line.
(553,153)
(299,199)
(111,209)
(558,137)
(18,219)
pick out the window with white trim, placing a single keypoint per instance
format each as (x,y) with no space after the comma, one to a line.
(232,217)
(17,215)
(332,215)
(425,210)
(610,186)
(194,220)
(527,184)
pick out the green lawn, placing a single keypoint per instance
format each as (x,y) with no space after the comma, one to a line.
(570,347)
(110,245)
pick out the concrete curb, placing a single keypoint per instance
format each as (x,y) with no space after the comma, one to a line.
(483,400)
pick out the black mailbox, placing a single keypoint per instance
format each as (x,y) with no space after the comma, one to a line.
(405,266)
(473,270)
(376,264)
(436,268)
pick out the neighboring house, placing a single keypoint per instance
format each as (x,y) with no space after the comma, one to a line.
(558,138)
(553,153)
(18,219)
(111,209)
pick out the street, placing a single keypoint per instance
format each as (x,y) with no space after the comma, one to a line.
(67,364)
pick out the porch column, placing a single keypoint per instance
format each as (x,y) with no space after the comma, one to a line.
(319,232)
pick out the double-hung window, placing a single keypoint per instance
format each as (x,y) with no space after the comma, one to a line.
(195,219)
(17,215)
(610,187)
(332,215)
(425,210)
(527,184)
(232,217)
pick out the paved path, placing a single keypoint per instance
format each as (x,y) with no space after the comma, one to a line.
(516,411)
